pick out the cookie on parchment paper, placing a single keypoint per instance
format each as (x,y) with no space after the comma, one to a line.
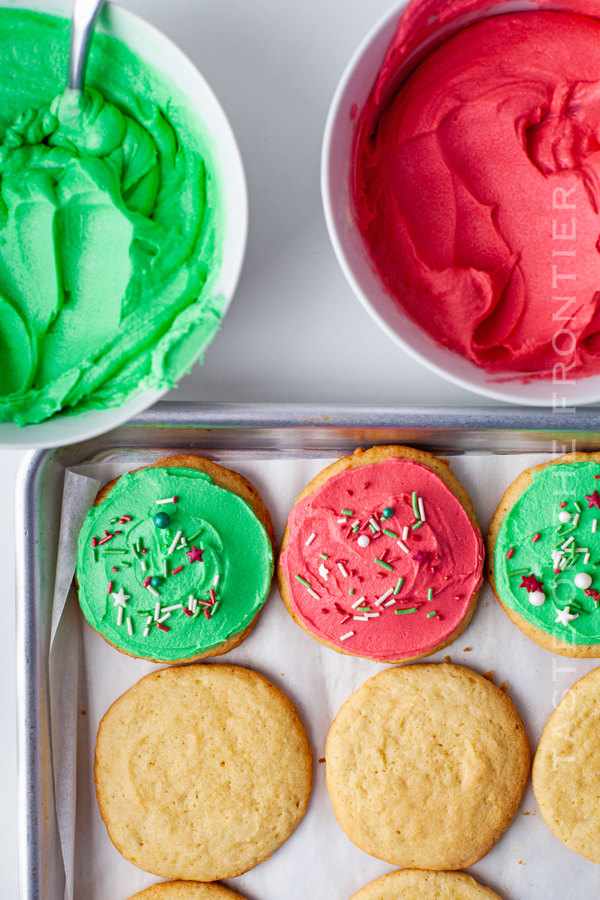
(202,771)
(566,768)
(544,554)
(382,556)
(426,766)
(186,890)
(411,884)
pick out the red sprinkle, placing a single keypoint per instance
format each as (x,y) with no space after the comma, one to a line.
(144,550)
(178,569)
(536,537)
(564,503)
(345,619)
(188,612)
(118,532)
(94,542)
(212,596)
(111,585)
(202,603)
(175,499)
(161,626)
(325,611)
(104,540)
(147,581)
(207,614)
(126,519)
(114,569)
(596,476)
(510,553)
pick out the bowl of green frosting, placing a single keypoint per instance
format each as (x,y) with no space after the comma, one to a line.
(123,221)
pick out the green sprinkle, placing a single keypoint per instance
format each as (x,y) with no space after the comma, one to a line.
(95,555)
(577,507)
(112,521)
(112,552)
(355,529)
(323,556)
(430,594)
(399,585)
(597,604)
(351,591)
(415,507)
(347,512)
(302,580)
(417,525)
(136,552)
(214,608)
(385,565)
(519,572)
(194,536)
(372,527)
(404,612)
(364,609)
(391,534)
(126,565)
(431,614)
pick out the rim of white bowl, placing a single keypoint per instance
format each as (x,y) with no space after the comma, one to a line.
(539,392)
(118,22)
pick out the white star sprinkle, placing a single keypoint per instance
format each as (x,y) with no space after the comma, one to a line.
(121,598)
(323,572)
(564,616)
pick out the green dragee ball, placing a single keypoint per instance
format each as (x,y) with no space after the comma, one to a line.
(162,520)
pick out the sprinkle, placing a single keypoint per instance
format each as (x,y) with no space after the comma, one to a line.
(188,613)
(126,519)
(594,524)
(536,537)
(95,552)
(215,608)
(355,524)
(519,572)
(575,520)
(147,581)
(421,509)
(342,569)
(167,500)
(360,619)
(391,534)
(357,602)
(403,547)
(577,506)
(564,503)
(114,569)
(567,542)
(120,616)
(164,617)
(118,532)
(213,596)
(144,565)
(171,608)
(385,565)
(417,525)
(307,586)
(586,559)
(147,628)
(390,602)
(405,531)
(342,521)
(383,597)
(374,524)
(95,540)
(347,512)
(403,612)
(351,591)
(345,619)
(178,569)
(143,550)
(110,552)
(345,637)
(175,542)
(152,591)
(192,603)
(431,614)
(161,626)
(323,556)
(415,505)
(373,528)
(309,541)
(129,626)
(157,612)
(430,594)
(582,550)
(372,615)
(399,585)
(216,580)
(111,585)
(207,614)
(104,540)
(510,553)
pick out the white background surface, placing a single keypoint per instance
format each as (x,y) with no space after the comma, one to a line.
(294,332)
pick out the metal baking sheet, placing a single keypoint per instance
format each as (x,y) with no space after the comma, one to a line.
(230,432)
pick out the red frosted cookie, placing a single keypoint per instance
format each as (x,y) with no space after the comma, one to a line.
(382,555)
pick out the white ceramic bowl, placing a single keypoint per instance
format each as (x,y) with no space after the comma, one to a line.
(353,90)
(163,55)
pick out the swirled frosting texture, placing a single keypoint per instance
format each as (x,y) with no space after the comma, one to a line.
(477,183)
(440,563)
(222,556)
(538,556)
(109,227)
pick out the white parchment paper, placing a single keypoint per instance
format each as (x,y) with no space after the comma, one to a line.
(318,861)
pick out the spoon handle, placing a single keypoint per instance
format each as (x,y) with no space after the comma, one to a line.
(85,13)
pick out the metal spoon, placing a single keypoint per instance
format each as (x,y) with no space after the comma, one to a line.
(83,19)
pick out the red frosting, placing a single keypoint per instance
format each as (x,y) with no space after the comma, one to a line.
(445,556)
(481,174)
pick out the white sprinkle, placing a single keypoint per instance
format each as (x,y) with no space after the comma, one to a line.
(405,533)
(164,618)
(323,571)
(309,541)
(345,637)
(403,546)
(355,523)
(576,519)
(594,526)
(120,616)
(582,550)
(168,500)
(313,593)
(374,524)
(183,542)
(562,562)
(191,602)
(157,612)
(144,566)
(358,602)
(557,555)
(175,542)
(586,559)
(567,542)
(421,510)
(152,591)
(360,619)
(147,628)
(129,626)
(342,569)
(372,615)
(171,608)
(342,520)
(216,581)
(383,597)
(390,602)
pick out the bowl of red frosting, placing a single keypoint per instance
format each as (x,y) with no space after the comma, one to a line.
(461,186)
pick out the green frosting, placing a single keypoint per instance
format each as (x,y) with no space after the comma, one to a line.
(236,564)
(110,230)
(537,512)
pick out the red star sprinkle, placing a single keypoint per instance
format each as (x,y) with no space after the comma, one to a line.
(531,583)
(593,499)
(194,554)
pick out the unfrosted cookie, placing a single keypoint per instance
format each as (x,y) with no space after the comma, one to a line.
(411,884)
(202,771)
(382,555)
(566,768)
(186,890)
(426,766)
(175,560)
(544,554)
